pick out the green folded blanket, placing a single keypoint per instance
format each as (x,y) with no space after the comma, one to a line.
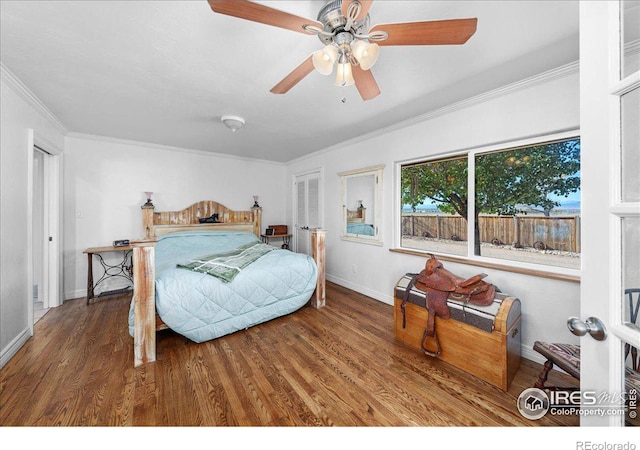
(228,264)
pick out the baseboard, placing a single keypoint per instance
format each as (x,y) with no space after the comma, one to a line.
(384,298)
(527,353)
(16,344)
(107,285)
(72,295)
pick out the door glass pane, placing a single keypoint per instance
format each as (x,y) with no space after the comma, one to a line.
(630,37)
(631,268)
(632,397)
(630,307)
(630,111)
(631,299)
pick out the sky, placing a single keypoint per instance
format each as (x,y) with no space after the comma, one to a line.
(572,201)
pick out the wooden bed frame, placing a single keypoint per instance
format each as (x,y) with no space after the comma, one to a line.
(146,321)
(356,216)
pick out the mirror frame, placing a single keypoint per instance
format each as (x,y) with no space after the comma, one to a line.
(376,171)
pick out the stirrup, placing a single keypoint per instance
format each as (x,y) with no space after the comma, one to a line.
(426,351)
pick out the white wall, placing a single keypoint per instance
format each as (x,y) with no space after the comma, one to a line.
(545,104)
(105,181)
(20,111)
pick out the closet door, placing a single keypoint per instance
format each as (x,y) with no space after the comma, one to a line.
(307,209)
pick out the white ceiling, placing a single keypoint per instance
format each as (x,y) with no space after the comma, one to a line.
(164,72)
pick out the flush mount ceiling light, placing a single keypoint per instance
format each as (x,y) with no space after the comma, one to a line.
(232,122)
(349,43)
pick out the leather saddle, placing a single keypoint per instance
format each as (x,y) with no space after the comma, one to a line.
(439,284)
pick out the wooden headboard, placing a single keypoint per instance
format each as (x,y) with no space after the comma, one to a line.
(356,215)
(159,223)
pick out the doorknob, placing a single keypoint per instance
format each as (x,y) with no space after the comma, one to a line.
(592,325)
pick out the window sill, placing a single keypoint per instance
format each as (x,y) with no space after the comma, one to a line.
(492,265)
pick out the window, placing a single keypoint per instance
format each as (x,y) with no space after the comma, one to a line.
(520,204)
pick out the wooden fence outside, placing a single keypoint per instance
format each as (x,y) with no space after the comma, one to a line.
(557,232)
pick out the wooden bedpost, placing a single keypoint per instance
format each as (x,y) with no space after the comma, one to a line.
(147,219)
(257,220)
(317,249)
(144,298)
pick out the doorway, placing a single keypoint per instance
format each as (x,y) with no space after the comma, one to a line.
(43,247)
(40,234)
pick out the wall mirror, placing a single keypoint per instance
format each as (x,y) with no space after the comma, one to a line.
(361,205)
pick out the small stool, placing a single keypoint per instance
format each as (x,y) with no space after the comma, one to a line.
(565,356)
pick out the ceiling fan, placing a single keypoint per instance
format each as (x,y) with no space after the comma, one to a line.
(343,27)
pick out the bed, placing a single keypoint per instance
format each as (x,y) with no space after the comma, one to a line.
(360,228)
(356,223)
(206,280)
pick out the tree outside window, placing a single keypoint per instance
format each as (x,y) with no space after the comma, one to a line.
(527,204)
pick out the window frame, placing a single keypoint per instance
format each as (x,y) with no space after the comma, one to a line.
(547,271)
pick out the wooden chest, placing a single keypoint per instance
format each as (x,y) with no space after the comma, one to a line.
(484,341)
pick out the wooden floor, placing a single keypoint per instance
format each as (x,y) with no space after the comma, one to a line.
(336,366)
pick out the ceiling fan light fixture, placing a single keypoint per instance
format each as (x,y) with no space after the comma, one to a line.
(233,122)
(366,53)
(344,75)
(323,59)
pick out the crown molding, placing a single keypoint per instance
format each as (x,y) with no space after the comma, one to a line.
(25,93)
(113,140)
(526,83)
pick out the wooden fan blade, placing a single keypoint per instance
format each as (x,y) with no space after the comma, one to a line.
(438,32)
(364,7)
(256,12)
(365,83)
(294,77)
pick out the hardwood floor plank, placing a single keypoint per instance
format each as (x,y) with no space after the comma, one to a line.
(364,375)
(286,408)
(335,366)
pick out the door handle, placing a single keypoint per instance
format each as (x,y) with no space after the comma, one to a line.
(304,228)
(592,325)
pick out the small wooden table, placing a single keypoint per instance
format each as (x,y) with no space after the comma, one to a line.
(123,269)
(286,239)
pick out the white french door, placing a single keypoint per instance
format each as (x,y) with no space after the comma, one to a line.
(307,210)
(610,118)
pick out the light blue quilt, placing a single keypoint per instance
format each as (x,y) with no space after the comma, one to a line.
(202,307)
(360,228)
